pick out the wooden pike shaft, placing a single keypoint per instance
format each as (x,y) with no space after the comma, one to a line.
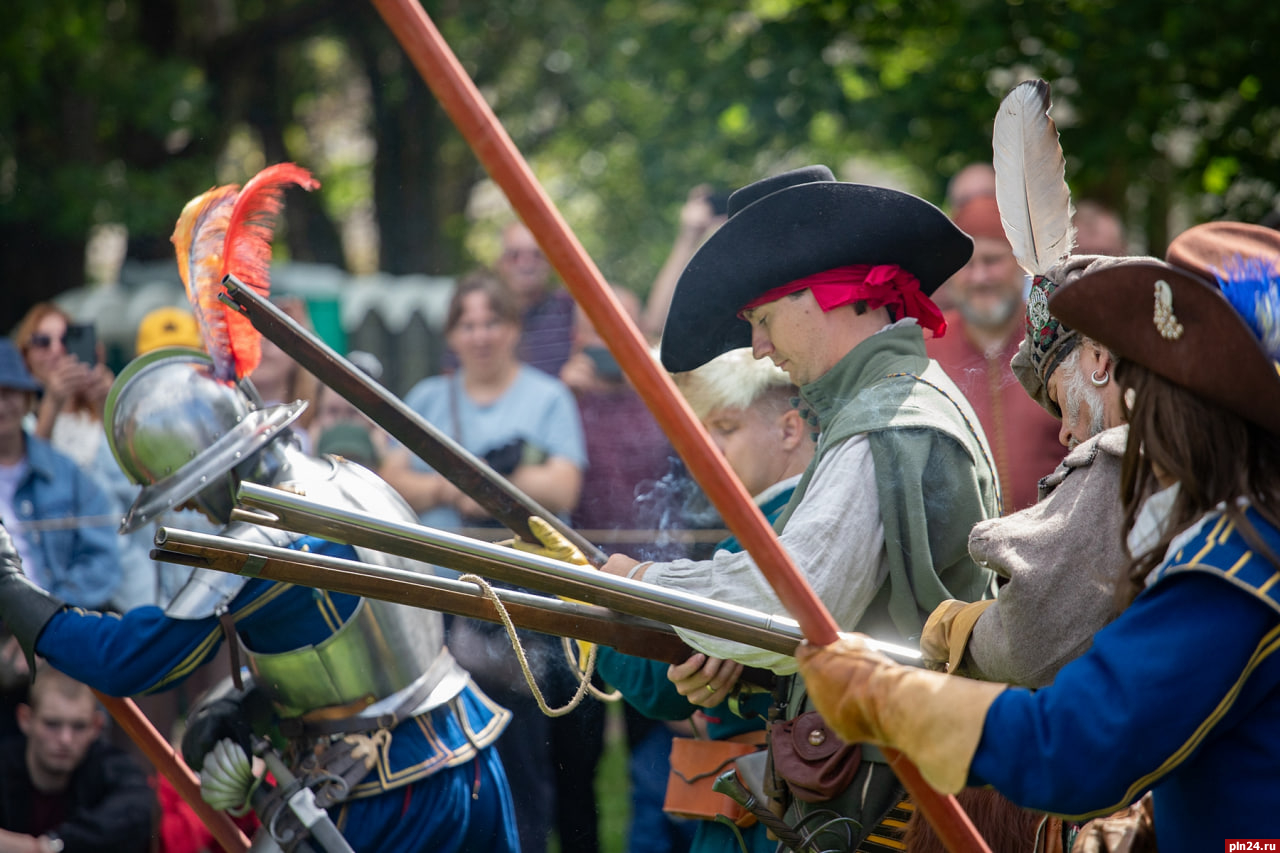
(463,102)
(163,757)
(495,150)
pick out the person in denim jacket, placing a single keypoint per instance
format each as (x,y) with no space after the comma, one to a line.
(60,519)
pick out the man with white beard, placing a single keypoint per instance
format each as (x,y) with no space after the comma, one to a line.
(1052,602)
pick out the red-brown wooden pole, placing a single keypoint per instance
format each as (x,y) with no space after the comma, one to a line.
(477,123)
(495,150)
(163,757)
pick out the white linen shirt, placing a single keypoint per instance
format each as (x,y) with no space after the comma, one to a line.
(836,539)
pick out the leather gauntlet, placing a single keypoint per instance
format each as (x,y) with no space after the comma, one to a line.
(935,720)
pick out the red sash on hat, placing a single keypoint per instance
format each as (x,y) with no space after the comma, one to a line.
(882,285)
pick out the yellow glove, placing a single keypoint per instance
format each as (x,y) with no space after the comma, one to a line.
(935,720)
(947,631)
(552,544)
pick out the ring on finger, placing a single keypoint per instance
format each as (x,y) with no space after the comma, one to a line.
(711,688)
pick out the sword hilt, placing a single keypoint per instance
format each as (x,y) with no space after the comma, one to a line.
(731,786)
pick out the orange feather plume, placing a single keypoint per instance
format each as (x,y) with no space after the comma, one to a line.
(228,230)
(198,239)
(246,253)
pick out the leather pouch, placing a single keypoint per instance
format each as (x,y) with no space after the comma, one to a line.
(695,765)
(816,764)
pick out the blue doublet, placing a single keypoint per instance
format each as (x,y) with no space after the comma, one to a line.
(1179,695)
(437,787)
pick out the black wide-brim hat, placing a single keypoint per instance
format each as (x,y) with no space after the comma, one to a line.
(1179,325)
(790,226)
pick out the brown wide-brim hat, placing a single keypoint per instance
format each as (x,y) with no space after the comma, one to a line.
(790,226)
(1178,324)
(1047,341)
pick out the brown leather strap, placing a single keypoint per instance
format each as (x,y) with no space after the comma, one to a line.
(233,646)
(295,727)
(338,712)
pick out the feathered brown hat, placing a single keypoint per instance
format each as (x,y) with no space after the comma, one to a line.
(1047,341)
(790,226)
(1207,319)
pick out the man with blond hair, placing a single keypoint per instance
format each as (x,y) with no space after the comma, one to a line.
(747,407)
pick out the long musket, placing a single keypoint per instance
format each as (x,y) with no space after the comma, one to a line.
(621,628)
(589,622)
(289,511)
(480,482)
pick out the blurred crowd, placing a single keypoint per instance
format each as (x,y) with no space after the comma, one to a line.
(529,386)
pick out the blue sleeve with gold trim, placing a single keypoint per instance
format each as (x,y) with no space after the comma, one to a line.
(141,651)
(1156,686)
(145,651)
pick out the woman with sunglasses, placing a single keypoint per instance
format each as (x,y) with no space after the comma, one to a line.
(68,415)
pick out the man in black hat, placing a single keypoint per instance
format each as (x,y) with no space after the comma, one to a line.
(1180,694)
(830,281)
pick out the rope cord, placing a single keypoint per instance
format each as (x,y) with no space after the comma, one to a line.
(583,673)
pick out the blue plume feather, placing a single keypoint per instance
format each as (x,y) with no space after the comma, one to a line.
(1252,286)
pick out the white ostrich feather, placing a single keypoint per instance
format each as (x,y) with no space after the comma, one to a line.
(1031,185)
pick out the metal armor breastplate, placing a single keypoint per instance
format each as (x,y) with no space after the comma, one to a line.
(382,650)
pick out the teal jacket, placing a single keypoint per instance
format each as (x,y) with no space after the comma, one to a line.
(643,683)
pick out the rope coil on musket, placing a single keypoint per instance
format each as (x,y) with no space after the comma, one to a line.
(583,671)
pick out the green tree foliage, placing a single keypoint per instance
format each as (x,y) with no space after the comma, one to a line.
(92,105)
(1159,121)
(119,111)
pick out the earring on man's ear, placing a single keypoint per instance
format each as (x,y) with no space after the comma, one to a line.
(1099,382)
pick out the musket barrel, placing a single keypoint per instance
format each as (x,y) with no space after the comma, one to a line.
(629,634)
(290,511)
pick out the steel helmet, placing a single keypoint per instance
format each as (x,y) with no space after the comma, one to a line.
(180,433)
